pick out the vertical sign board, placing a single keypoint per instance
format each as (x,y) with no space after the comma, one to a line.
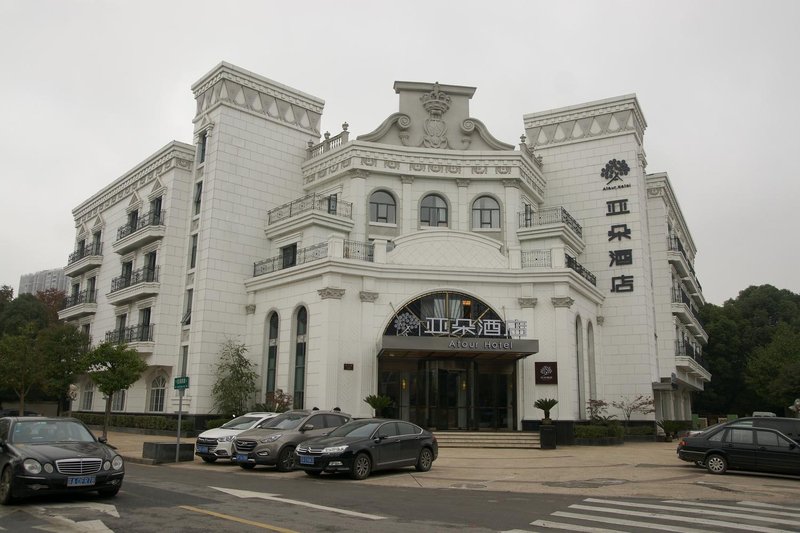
(181,384)
(546,373)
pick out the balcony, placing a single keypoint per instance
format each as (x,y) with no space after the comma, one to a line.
(691,360)
(139,337)
(311,210)
(328,144)
(84,260)
(138,284)
(572,263)
(683,308)
(304,255)
(79,305)
(677,256)
(148,228)
(548,223)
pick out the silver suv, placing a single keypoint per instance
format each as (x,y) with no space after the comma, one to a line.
(273,441)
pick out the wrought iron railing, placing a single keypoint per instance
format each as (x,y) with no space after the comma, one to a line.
(304,255)
(138,333)
(684,349)
(154,218)
(94,248)
(537,259)
(549,215)
(580,269)
(143,275)
(313,202)
(83,297)
(679,296)
(364,251)
(675,245)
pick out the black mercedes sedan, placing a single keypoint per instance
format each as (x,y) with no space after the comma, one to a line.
(736,447)
(54,455)
(362,446)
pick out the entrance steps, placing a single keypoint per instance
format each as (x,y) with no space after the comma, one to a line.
(485,439)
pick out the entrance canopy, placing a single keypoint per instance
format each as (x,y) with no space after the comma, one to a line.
(479,348)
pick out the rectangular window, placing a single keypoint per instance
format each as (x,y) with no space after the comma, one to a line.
(145,333)
(193,252)
(332,203)
(87,397)
(184,360)
(289,255)
(198,196)
(201,147)
(187,314)
(272,360)
(118,400)
(299,375)
(133,220)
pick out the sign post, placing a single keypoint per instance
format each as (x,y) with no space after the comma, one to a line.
(181,384)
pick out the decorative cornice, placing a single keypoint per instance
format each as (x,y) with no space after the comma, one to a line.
(330,292)
(367,296)
(562,301)
(250,309)
(527,302)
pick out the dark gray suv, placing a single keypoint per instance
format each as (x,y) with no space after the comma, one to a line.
(273,441)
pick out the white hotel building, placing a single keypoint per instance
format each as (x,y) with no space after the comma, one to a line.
(426,260)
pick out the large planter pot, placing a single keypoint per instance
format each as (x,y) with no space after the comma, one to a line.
(547,436)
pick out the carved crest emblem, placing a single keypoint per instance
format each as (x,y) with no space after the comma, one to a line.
(436,103)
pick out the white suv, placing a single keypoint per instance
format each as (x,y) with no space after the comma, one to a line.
(216,443)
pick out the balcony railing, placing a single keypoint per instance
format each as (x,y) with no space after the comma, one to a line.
(537,259)
(549,215)
(679,296)
(313,202)
(684,349)
(675,245)
(94,248)
(577,267)
(155,218)
(83,297)
(364,251)
(143,275)
(127,335)
(329,143)
(304,255)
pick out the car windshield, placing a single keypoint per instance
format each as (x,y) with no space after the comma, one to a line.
(285,421)
(242,422)
(49,431)
(363,428)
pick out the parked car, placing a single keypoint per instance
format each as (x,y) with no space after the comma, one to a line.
(742,447)
(363,446)
(273,441)
(41,455)
(15,412)
(217,443)
(788,426)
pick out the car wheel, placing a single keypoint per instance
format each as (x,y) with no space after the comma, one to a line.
(109,493)
(361,466)
(247,466)
(716,464)
(425,460)
(209,459)
(5,487)
(314,473)
(286,459)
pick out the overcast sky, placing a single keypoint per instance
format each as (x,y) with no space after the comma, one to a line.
(91,88)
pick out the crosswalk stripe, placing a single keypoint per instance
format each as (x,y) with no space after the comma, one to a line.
(770,506)
(692,519)
(734,507)
(696,511)
(623,522)
(549,524)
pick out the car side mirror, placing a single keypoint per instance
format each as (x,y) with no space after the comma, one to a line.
(307,427)
(102,440)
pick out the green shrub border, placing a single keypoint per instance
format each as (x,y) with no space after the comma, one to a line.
(591,431)
(151,422)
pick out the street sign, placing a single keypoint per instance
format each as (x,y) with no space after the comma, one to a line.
(182,382)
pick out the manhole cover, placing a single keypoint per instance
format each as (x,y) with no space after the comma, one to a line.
(586,483)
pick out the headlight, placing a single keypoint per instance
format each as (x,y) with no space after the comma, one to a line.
(32,466)
(107,465)
(48,468)
(334,449)
(272,438)
(225,439)
(116,463)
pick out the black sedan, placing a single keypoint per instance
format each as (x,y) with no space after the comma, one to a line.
(363,446)
(742,448)
(54,455)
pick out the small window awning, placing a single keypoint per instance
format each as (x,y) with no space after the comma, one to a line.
(481,348)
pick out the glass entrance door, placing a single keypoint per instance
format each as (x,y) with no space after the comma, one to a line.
(449,390)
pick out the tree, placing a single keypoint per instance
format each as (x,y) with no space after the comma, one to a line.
(113,367)
(63,348)
(641,404)
(21,364)
(773,370)
(19,312)
(236,379)
(53,301)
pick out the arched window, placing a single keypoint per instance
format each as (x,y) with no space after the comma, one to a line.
(382,208)
(591,362)
(87,397)
(579,360)
(433,211)
(485,213)
(300,359)
(158,388)
(272,352)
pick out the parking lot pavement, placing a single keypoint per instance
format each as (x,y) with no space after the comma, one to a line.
(634,469)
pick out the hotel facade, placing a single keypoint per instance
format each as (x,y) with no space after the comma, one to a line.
(425,260)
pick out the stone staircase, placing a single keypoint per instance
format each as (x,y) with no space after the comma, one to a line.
(483,439)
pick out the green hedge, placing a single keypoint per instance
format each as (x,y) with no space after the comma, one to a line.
(640,430)
(595,431)
(160,423)
(216,422)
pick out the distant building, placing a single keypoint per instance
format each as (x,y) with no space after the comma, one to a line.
(426,260)
(42,280)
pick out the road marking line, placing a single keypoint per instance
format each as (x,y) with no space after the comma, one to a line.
(770,506)
(635,523)
(239,520)
(769,509)
(572,527)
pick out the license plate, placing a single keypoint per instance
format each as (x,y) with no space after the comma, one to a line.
(306,460)
(83,481)
(202,449)
(241,458)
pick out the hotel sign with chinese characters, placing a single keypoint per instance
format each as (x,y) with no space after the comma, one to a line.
(613,172)
(407,324)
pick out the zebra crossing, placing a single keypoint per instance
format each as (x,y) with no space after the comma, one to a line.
(596,515)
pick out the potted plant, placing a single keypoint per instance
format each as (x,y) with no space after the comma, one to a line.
(547,430)
(378,402)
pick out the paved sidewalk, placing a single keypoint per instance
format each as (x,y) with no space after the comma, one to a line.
(634,469)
